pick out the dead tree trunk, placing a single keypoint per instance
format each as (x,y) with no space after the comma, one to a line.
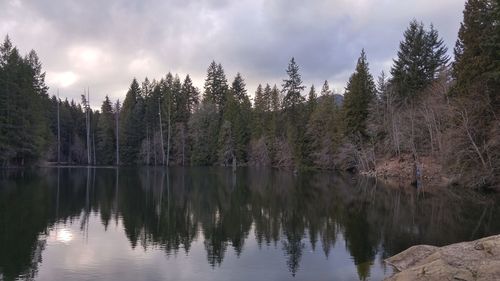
(93,147)
(58,131)
(88,127)
(117,117)
(183,144)
(168,135)
(465,120)
(161,135)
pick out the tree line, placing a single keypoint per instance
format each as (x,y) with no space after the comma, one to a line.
(429,105)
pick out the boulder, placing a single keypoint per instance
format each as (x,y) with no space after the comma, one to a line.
(476,260)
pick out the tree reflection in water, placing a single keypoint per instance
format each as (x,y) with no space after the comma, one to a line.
(171,209)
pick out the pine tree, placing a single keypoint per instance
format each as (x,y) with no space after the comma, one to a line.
(360,91)
(275,107)
(190,93)
(235,133)
(477,51)
(294,111)
(204,133)
(215,86)
(311,101)
(321,130)
(116,113)
(259,110)
(421,55)
(106,134)
(292,87)
(131,125)
(24,124)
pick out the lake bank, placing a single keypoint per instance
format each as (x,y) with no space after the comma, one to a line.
(475,260)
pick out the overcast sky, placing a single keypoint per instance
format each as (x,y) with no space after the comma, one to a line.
(104,44)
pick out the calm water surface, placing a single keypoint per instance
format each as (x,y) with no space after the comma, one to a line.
(211,224)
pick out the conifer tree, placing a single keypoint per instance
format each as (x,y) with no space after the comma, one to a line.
(259,110)
(320,131)
(215,86)
(420,56)
(190,93)
(477,55)
(360,91)
(106,134)
(131,125)
(23,130)
(235,134)
(294,111)
(311,101)
(292,87)
(275,107)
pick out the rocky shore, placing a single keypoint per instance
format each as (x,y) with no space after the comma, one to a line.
(477,260)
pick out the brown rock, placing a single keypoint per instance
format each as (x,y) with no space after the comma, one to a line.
(476,260)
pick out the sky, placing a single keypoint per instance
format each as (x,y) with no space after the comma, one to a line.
(103,45)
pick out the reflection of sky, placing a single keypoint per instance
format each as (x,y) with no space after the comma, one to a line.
(96,254)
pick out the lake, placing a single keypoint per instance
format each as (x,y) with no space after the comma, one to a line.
(213,224)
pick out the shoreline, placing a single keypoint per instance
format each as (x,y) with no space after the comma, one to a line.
(471,260)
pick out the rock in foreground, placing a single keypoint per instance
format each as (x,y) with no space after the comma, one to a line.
(476,260)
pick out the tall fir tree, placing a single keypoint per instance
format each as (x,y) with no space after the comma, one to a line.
(259,111)
(24,126)
(235,131)
(293,105)
(477,50)
(215,86)
(321,131)
(106,134)
(191,94)
(292,87)
(360,91)
(311,101)
(131,125)
(420,56)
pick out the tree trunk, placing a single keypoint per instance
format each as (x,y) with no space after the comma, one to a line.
(117,117)
(88,128)
(465,119)
(161,135)
(58,131)
(168,136)
(93,147)
(183,144)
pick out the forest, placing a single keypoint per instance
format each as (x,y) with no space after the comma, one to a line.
(431,108)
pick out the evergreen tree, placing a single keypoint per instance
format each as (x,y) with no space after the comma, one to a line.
(420,56)
(321,131)
(294,111)
(292,87)
(259,110)
(131,125)
(203,131)
(235,132)
(267,115)
(325,90)
(215,86)
(311,101)
(106,134)
(23,123)
(275,107)
(382,87)
(191,94)
(477,51)
(360,91)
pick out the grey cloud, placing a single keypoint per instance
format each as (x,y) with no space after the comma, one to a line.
(104,44)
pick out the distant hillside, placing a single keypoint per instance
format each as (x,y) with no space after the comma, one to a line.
(338,99)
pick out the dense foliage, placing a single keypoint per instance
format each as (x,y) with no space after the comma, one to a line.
(426,108)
